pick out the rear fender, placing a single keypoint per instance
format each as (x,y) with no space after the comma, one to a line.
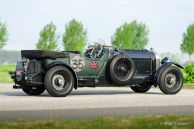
(60,63)
(161,68)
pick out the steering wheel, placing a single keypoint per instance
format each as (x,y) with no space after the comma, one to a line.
(96,51)
(100,51)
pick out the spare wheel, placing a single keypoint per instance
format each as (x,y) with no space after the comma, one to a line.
(122,69)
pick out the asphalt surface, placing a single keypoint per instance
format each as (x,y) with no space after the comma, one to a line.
(93,102)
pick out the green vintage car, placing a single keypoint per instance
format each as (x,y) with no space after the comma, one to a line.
(99,65)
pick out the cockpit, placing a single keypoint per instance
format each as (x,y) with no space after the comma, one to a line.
(94,51)
(98,50)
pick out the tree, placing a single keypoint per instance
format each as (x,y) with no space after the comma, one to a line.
(75,36)
(187,45)
(48,38)
(132,35)
(3,34)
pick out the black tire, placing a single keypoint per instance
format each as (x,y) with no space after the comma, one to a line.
(33,90)
(59,81)
(122,69)
(171,80)
(141,88)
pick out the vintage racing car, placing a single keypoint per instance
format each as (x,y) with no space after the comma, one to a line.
(99,65)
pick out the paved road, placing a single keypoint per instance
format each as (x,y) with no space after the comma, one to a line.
(92,102)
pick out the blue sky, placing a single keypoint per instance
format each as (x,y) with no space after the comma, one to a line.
(166,19)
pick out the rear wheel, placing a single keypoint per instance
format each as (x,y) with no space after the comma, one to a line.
(141,88)
(171,80)
(36,90)
(59,81)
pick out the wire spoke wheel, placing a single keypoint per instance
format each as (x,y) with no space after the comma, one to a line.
(59,81)
(170,80)
(35,90)
(141,88)
(122,69)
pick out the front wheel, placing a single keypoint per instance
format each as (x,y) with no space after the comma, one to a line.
(59,81)
(171,80)
(141,88)
(33,90)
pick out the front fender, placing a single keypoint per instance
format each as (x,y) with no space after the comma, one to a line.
(60,63)
(162,67)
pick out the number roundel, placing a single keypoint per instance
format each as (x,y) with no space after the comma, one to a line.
(77,63)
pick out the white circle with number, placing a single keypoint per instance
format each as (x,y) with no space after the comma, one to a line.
(77,63)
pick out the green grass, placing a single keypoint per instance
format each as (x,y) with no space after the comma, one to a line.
(189,85)
(134,122)
(4,75)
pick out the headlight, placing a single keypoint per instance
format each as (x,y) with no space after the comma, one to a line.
(165,60)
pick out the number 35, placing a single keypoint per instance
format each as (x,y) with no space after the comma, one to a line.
(77,64)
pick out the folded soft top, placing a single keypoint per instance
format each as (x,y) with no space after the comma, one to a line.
(40,54)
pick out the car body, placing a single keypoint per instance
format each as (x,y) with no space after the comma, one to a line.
(99,65)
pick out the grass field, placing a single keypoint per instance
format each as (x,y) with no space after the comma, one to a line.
(4,75)
(134,122)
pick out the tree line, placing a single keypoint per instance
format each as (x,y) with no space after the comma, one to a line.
(131,35)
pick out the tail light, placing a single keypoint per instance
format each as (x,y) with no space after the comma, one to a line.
(19,70)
